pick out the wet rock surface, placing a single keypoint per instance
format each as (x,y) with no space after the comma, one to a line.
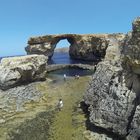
(113,95)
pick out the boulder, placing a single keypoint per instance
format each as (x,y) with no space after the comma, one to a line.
(23,69)
(90,47)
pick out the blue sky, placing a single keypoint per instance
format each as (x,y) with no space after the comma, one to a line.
(21,19)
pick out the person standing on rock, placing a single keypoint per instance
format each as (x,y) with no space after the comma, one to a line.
(65,77)
(60,104)
(77,76)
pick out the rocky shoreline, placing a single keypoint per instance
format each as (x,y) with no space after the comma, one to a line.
(113,94)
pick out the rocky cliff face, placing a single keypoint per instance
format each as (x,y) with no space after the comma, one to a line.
(24,69)
(113,94)
(86,47)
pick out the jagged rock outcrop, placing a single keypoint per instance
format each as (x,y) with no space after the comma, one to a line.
(86,47)
(113,94)
(131,49)
(18,70)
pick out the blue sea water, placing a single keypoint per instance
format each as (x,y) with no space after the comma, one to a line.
(63,58)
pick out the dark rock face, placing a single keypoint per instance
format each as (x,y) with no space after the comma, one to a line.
(86,47)
(113,94)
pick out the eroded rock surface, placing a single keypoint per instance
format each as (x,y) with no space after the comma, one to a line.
(113,94)
(131,49)
(18,70)
(14,99)
(86,47)
(135,125)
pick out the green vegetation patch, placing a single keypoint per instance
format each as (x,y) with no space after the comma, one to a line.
(35,129)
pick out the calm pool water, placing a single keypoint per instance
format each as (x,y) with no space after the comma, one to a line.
(58,75)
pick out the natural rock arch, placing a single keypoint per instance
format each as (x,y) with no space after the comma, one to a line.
(46,44)
(69,39)
(83,47)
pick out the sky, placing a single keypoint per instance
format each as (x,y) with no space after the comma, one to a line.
(22,19)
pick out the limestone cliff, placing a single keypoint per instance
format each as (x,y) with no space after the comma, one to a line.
(113,94)
(86,47)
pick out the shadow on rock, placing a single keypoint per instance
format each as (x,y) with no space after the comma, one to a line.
(35,129)
(95,129)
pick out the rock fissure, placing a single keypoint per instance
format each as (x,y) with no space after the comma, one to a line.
(130,118)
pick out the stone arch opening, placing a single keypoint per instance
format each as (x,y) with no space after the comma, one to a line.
(58,39)
(66,42)
(63,43)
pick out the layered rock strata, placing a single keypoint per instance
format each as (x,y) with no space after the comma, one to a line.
(86,47)
(54,67)
(113,95)
(24,69)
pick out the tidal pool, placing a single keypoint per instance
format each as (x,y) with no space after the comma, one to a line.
(58,75)
(40,120)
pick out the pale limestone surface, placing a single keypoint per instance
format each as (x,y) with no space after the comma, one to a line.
(23,69)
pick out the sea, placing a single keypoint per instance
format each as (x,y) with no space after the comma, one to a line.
(61,58)
(64,58)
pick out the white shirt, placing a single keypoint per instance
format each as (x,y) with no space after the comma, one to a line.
(64,75)
(61,103)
